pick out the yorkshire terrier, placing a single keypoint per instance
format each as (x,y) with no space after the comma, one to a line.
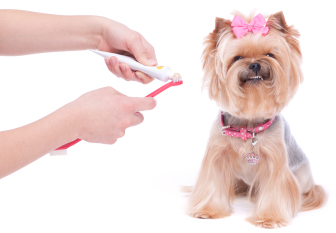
(252,70)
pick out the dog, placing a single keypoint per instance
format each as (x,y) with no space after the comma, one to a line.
(252,69)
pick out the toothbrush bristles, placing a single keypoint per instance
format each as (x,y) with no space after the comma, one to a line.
(176,78)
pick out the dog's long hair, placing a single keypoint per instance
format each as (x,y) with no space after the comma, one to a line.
(221,47)
(281,183)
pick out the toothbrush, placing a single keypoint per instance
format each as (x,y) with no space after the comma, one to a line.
(178,81)
(162,73)
(63,149)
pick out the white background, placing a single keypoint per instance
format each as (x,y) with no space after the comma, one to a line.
(134,185)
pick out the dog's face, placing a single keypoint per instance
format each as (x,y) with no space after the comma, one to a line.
(255,76)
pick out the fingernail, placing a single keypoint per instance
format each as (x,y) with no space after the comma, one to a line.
(152,62)
(107,61)
(112,61)
(123,68)
(138,76)
(155,101)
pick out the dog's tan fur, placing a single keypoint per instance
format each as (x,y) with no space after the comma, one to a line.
(278,187)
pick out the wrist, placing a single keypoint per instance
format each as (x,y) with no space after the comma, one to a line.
(67,119)
(97,29)
(93,35)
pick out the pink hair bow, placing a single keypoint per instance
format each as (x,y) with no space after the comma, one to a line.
(240,27)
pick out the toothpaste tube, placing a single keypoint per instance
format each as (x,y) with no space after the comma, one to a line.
(162,73)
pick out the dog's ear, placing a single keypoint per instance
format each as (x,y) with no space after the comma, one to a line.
(221,25)
(211,41)
(278,24)
(279,21)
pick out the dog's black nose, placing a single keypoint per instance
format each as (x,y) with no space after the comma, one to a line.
(255,67)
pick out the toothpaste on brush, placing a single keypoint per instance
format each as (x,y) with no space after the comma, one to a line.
(162,73)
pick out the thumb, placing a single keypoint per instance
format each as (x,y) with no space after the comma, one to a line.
(144,103)
(138,49)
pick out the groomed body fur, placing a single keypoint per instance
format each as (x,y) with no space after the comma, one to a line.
(281,183)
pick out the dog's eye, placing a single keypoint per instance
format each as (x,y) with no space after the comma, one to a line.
(236,58)
(270,55)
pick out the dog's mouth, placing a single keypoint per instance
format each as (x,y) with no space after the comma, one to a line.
(254,79)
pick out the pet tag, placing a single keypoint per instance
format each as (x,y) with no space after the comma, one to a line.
(253,158)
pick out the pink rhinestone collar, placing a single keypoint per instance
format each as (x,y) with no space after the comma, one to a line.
(243,132)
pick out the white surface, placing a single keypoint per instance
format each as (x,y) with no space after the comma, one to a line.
(133,185)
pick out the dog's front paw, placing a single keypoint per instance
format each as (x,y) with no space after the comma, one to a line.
(269,223)
(207,214)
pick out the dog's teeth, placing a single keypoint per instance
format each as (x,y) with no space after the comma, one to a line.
(257,77)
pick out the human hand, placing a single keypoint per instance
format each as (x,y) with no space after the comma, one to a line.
(104,114)
(118,38)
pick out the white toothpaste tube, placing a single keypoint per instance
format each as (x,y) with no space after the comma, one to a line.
(162,73)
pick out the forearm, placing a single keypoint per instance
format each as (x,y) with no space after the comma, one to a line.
(24,32)
(23,145)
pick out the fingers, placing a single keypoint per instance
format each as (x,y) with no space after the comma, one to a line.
(112,64)
(144,78)
(138,118)
(122,70)
(143,104)
(149,48)
(142,50)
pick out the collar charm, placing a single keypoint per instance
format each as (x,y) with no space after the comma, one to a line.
(253,158)
(246,133)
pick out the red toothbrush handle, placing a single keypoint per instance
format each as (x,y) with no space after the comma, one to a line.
(66,146)
(164,87)
(154,93)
